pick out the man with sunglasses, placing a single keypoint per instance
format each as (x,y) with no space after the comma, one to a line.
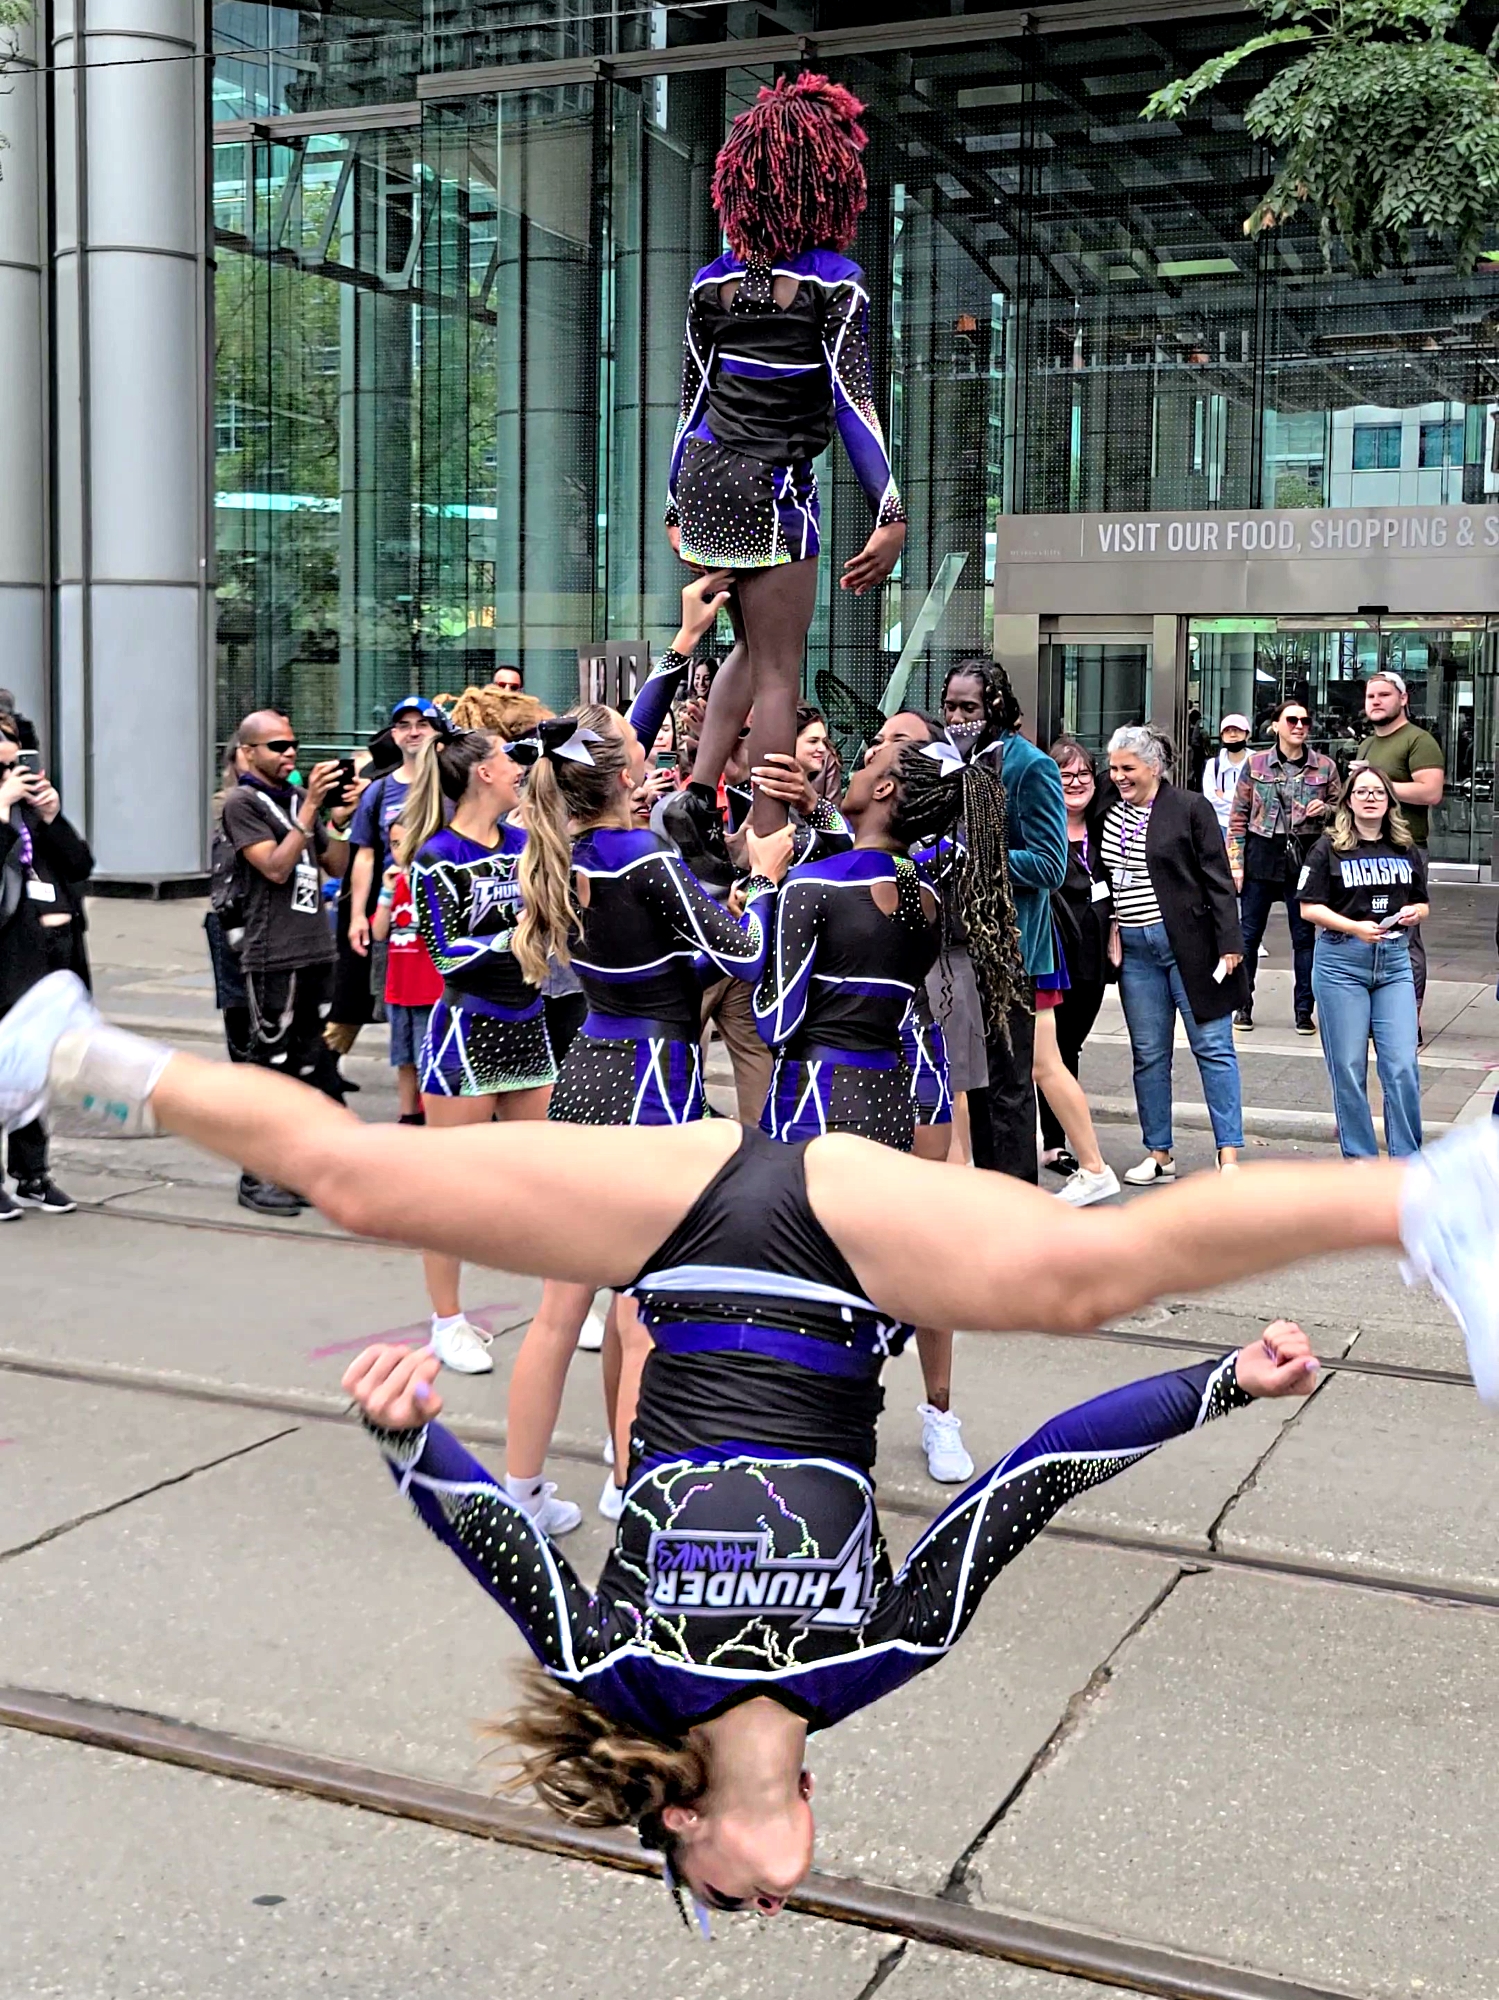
(287,956)
(1279,809)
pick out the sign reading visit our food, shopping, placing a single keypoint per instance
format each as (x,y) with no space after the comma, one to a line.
(1415,558)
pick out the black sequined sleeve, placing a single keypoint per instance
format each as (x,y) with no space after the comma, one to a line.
(566,1625)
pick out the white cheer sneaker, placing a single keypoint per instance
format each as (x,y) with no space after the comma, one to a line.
(461,1346)
(947,1460)
(1449,1224)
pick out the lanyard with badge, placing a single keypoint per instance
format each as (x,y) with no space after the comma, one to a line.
(305,899)
(1131,843)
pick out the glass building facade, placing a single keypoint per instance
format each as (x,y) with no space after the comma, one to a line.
(452,255)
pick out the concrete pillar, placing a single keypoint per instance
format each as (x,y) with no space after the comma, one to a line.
(1017,648)
(131,345)
(1168,678)
(23,483)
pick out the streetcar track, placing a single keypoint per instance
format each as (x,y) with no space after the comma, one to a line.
(1198,1556)
(1094,1956)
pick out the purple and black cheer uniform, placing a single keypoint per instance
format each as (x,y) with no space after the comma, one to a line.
(762,390)
(749,1558)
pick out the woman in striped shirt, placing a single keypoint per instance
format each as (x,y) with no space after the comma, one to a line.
(1177,944)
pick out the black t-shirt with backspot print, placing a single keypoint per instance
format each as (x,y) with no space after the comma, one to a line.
(1366,885)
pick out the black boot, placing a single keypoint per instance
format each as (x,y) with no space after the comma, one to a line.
(693,821)
(268,1199)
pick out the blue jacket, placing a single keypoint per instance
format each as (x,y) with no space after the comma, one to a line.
(1037,818)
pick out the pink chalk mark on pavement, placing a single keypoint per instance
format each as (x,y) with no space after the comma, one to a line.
(5,1441)
(492,1319)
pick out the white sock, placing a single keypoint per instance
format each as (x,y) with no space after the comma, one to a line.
(445,1323)
(110,1073)
(524,1492)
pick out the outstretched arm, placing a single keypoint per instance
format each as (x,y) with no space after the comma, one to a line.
(846,347)
(695,358)
(467,1510)
(939,1587)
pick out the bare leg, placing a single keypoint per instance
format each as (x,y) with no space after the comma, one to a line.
(729,701)
(612,1362)
(1029,1262)
(444,1274)
(961,1153)
(777,606)
(1064,1094)
(934,1343)
(634,1346)
(407,1090)
(540,1375)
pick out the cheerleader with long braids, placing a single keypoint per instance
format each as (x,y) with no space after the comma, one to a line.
(776,355)
(749,1599)
(619,905)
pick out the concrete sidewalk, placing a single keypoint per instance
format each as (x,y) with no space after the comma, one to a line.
(151,973)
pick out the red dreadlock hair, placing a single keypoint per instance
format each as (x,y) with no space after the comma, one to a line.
(788,176)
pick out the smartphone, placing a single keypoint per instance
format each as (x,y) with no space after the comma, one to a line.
(29,761)
(666,760)
(346,780)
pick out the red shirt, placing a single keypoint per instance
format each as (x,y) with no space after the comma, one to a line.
(411,979)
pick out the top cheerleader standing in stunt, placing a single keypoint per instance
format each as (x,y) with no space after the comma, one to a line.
(748,1598)
(776,353)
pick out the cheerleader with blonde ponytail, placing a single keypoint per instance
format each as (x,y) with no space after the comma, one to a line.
(486,1054)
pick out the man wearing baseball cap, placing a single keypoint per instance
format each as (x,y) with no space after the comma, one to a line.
(414,722)
(1411,758)
(1221,774)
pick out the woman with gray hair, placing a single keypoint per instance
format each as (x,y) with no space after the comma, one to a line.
(1177,944)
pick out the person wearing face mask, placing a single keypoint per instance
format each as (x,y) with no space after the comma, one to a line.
(1222,772)
(1364,888)
(983,721)
(1278,811)
(44,864)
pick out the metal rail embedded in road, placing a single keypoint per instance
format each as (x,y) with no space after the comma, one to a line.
(1090,1955)
(318,1408)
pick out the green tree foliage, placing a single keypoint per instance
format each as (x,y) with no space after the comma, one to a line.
(14,15)
(1383,125)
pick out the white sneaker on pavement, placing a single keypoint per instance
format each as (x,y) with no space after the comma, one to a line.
(1449,1224)
(591,1336)
(612,1500)
(942,1440)
(608,1452)
(1082,1189)
(461,1346)
(1151,1172)
(539,1499)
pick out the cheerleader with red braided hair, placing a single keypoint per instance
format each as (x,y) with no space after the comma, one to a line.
(776,354)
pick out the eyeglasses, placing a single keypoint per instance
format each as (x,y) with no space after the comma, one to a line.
(1077,777)
(280,744)
(1297,721)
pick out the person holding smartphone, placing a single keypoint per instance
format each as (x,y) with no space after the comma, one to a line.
(44,863)
(1364,889)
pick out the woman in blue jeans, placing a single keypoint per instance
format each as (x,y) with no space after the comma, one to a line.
(1364,887)
(1177,944)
